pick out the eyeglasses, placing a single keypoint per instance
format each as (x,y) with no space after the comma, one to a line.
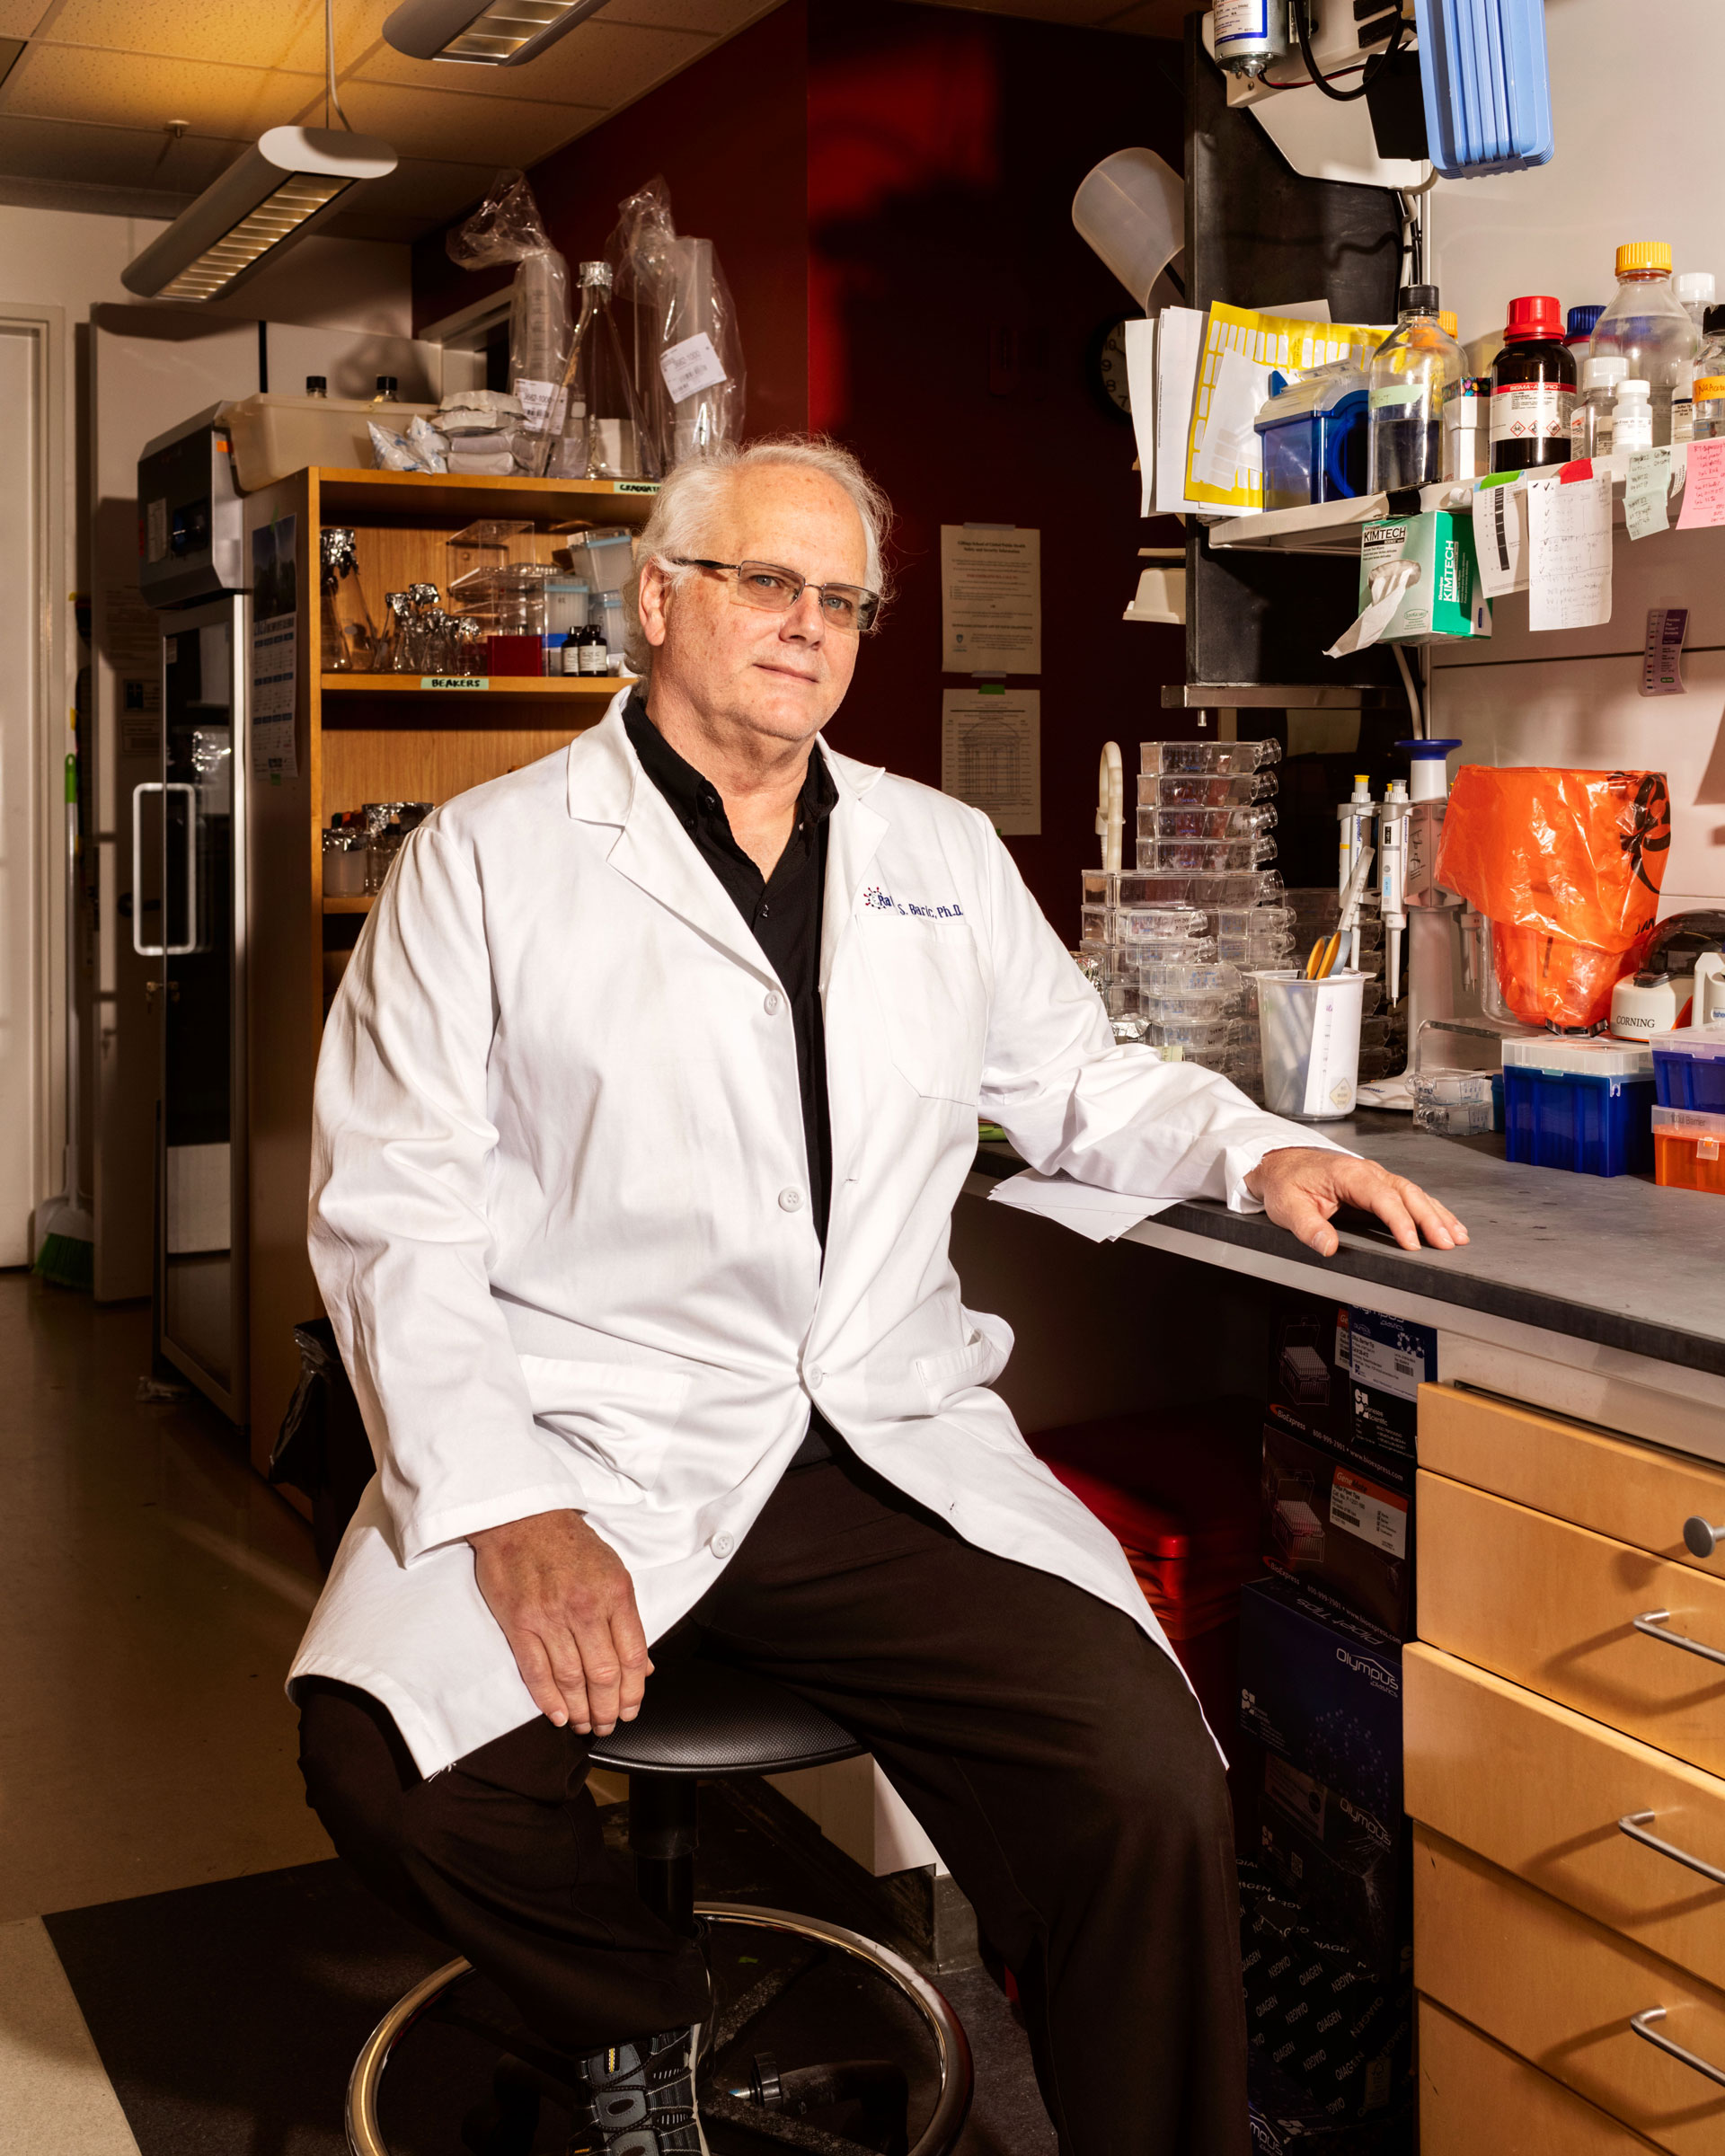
(776,590)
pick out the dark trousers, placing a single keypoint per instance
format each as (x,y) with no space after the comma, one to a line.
(1053,1754)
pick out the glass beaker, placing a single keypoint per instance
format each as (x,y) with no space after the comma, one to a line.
(391,655)
(348,637)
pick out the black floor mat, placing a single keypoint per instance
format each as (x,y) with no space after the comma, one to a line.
(228,2016)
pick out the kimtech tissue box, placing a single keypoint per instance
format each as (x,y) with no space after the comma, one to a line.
(1446,598)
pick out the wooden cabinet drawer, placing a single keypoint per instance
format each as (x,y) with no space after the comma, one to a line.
(1540,1791)
(1552,1607)
(1474,2096)
(1561,1991)
(1634,1493)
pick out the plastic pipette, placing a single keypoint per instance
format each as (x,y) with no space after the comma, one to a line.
(1392,883)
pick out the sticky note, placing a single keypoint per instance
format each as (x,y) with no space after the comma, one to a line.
(1703,497)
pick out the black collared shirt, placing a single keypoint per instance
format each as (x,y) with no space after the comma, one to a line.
(785,912)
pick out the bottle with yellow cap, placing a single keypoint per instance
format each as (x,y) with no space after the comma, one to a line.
(1648,327)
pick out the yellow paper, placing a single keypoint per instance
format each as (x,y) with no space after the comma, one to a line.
(1223,455)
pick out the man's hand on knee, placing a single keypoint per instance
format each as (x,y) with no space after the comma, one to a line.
(567,1606)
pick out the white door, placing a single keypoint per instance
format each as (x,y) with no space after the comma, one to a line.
(32,699)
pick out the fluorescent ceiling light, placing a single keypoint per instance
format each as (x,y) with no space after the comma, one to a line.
(270,199)
(504,33)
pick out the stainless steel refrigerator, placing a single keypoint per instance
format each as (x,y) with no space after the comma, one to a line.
(189,831)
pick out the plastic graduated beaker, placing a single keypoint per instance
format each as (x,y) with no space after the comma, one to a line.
(1309,1033)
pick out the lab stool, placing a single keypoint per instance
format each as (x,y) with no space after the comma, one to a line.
(701,1718)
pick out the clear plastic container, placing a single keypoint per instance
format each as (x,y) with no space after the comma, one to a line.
(1214,823)
(492,543)
(1414,371)
(1195,789)
(1158,923)
(1590,420)
(1631,416)
(1689,1068)
(1200,855)
(1249,887)
(1153,886)
(1695,293)
(1689,1150)
(1647,326)
(1313,431)
(1096,924)
(1250,920)
(1456,1104)
(1190,1033)
(1164,978)
(1229,759)
(1275,949)
(1170,951)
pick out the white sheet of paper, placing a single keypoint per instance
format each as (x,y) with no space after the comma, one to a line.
(1389,586)
(1179,345)
(691,366)
(1500,539)
(991,599)
(1569,544)
(990,756)
(1103,1215)
(1231,444)
(1141,387)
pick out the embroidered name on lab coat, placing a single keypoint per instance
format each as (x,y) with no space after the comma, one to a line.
(883,902)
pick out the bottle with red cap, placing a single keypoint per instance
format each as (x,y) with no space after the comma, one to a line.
(1533,388)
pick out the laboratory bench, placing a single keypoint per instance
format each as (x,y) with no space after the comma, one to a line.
(1564,1689)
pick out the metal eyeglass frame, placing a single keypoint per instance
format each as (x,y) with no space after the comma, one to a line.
(867,603)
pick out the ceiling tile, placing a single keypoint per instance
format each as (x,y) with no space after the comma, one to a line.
(432,123)
(600,65)
(420,194)
(59,149)
(61,82)
(248,33)
(19,18)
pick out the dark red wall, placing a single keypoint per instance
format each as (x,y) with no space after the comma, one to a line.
(730,137)
(890,188)
(945,148)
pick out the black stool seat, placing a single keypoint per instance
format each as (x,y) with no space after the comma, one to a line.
(703,1718)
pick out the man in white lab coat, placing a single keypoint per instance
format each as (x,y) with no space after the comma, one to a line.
(640,1120)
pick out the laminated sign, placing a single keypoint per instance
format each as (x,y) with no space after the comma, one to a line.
(1225,464)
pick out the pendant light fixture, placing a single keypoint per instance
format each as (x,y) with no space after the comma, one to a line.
(283,188)
(489,34)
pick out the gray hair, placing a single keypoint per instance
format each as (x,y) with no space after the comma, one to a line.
(686,503)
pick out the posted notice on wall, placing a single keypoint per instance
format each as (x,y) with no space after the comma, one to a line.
(991,599)
(275,629)
(990,756)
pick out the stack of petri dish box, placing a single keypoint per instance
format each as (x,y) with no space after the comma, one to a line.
(1171,943)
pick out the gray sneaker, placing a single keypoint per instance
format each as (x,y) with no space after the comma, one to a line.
(638,2100)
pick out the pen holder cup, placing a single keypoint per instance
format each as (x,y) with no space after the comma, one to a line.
(1309,1032)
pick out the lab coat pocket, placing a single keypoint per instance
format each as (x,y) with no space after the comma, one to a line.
(929,985)
(986,1350)
(618,1417)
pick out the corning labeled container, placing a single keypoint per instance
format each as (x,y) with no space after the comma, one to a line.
(1309,1035)
(1582,1105)
(1689,1068)
(1689,1150)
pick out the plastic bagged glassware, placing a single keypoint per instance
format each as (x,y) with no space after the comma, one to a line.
(1228,759)
(507,227)
(607,431)
(692,390)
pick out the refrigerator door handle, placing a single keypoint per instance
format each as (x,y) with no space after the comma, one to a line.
(165,786)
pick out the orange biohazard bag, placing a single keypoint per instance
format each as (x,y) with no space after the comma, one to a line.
(1567,866)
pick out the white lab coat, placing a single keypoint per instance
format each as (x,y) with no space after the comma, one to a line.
(559,1211)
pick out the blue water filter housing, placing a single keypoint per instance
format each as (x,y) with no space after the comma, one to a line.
(1486,85)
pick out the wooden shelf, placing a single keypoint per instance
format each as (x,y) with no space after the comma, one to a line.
(349,497)
(589,689)
(343,902)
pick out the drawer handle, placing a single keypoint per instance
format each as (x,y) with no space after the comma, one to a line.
(1635,1825)
(1699,1539)
(1640,2022)
(1654,1623)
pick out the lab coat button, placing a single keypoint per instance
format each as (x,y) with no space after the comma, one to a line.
(721,1546)
(815,1377)
(790,1201)
(771,1006)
